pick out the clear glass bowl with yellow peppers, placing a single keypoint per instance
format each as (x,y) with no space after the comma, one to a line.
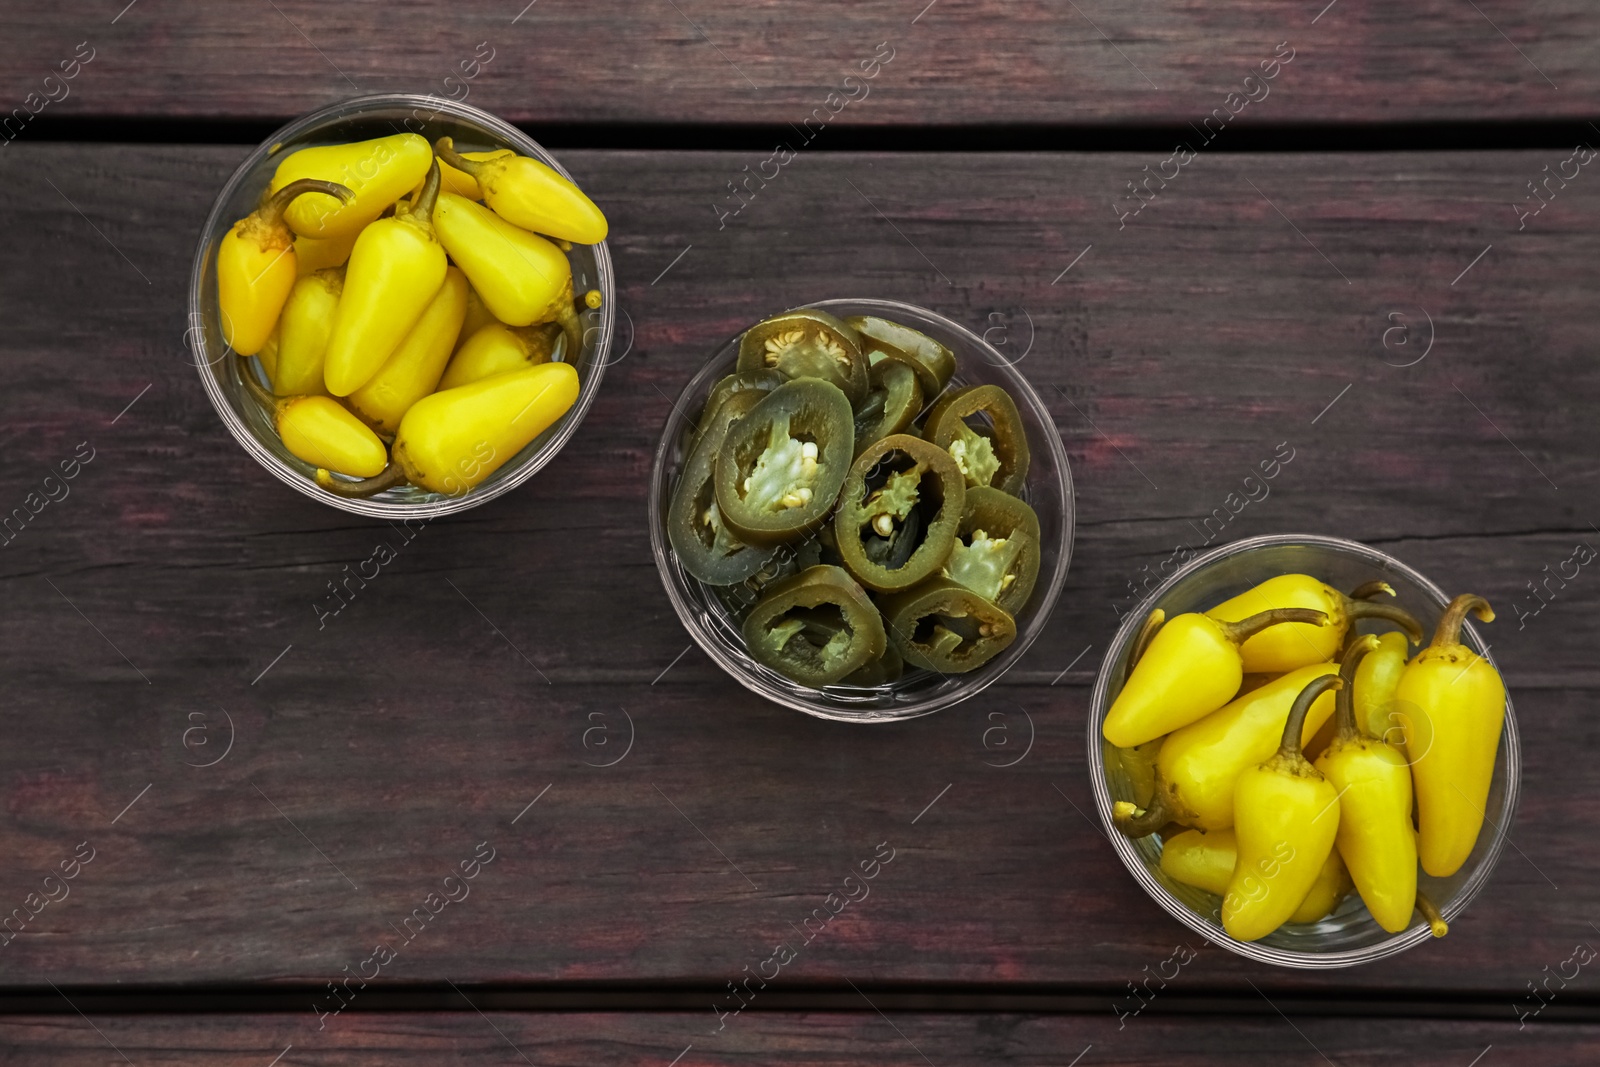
(401,305)
(855,402)
(1301,749)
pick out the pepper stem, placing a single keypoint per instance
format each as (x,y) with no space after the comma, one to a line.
(1244,629)
(1361,609)
(1368,590)
(422,206)
(1344,705)
(1289,749)
(1435,919)
(253,385)
(389,477)
(1131,822)
(1147,633)
(272,209)
(445,148)
(1449,630)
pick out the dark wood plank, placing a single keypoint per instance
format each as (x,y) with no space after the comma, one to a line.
(809,1040)
(1175,354)
(773,63)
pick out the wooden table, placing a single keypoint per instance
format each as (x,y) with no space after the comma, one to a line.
(1349,267)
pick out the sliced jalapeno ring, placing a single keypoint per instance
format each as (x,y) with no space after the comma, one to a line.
(992,449)
(996,553)
(893,401)
(780,467)
(759,382)
(703,543)
(880,338)
(899,512)
(815,627)
(944,626)
(807,343)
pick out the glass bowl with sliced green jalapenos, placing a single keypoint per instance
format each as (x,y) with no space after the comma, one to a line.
(401,306)
(1193,799)
(861,510)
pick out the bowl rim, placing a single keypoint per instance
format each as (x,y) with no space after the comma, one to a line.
(1391,946)
(195,335)
(1046,594)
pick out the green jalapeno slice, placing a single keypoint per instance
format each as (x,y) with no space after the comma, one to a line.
(815,627)
(979,427)
(702,541)
(944,626)
(894,400)
(780,467)
(899,512)
(759,382)
(932,361)
(806,343)
(996,552)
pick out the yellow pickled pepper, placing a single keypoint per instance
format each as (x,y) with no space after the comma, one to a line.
(1374,787)
(1206,859)
(497,348)
(452,440)
(1452,705)
(1198,766)
(318,430)
(1291,645)
(521,277)
(396,269)
(256,266)
(1332,885)
(1286,816)
(306,324)
(378,172)
(459,181)
(478,316)
(414,370)
(1192,668)
(1376,682)
(320,253)
(529,194)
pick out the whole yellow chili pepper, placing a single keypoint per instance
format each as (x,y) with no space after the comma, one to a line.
(497,348)
(396,269)
(521,277)
(452,440)
(320,253)
(1376,682)
(1206,859)
(531,195)
(318,430)
(256,267)
(1286,816)
(378,172)
(1192,668)
(459,181)
(478,316)
(1452,705)
(306,324)
(414,369)
(1198,766)
(1374,783)
(1290,645)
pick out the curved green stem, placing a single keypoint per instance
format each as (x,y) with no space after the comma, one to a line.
(253,386)
(390,477)
(1368,590)
(1290,747)
(445,149)
(1361,609)
(422,206)
(271,211)
(1244,629)
(1435,919)
(1131,822)
(1449,629)
(1344,705)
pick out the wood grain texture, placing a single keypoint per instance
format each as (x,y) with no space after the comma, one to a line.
(374,754)
(773,63)
(809,1040)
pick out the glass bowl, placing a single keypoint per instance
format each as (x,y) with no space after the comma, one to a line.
(354,120)
(918,692)
(1349,935)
